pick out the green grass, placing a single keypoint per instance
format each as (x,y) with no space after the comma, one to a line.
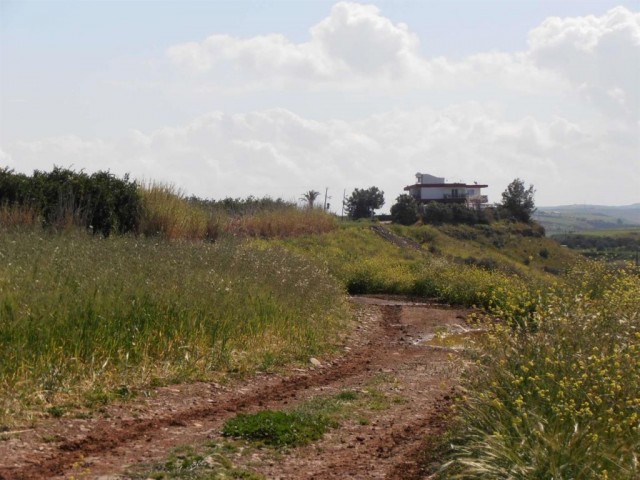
(85,320)
(311,419)
(278,429)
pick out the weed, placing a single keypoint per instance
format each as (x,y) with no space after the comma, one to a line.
(56,411)
(192,463)
(347,395)
(276,428)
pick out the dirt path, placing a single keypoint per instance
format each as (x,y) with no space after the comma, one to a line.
(389,349)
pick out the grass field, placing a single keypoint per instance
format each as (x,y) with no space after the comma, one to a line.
(85,319)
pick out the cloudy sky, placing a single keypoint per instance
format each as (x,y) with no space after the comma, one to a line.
(279,97)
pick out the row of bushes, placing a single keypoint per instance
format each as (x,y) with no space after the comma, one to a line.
(598,242)
(100,201)
(407,212)
(105,204)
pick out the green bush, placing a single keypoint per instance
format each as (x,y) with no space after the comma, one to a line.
(62,198)
(436,213)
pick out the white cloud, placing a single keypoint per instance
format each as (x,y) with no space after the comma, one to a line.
(601,55)
(535,114)
(357,47)
(354,40)
(276,152)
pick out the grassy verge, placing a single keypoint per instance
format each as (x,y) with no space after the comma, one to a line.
(366,263)
(84,319)
(559,397)
(554,393)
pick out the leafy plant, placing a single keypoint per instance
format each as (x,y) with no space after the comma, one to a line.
(517,201)
(277,428)
(363,202)
(405,210)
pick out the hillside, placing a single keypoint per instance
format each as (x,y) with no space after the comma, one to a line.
(574,218)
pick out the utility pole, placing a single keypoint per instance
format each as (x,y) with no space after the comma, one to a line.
(344,196)
(326,191)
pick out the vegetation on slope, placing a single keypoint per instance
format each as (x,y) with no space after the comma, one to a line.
(554,389)
(557,397)
(444,266)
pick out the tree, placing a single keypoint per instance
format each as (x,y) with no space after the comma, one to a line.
(518,202)
(310,197)
(405,210)
(362,203)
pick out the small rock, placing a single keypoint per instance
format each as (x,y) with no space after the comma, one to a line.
(315,362)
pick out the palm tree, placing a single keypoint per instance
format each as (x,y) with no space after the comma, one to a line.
(310,197)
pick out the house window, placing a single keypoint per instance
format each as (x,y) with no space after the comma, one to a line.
(472,191)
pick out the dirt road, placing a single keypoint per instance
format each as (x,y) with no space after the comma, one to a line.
(391,352)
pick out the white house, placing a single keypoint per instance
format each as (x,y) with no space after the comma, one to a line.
(434,189)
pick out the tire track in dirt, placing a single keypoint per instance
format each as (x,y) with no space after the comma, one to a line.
(109,442)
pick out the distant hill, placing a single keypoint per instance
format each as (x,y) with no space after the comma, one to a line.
(577,218)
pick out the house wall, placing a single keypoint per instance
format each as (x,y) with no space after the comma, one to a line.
(433,193)
(426,178)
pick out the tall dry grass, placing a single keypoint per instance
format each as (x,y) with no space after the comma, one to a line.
(168,213)
(13,216)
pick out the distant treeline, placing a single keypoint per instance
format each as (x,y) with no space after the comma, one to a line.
(597,242)
(106,204)
(243,206)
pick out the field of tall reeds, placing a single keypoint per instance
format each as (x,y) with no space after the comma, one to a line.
(168,213)
(85,318)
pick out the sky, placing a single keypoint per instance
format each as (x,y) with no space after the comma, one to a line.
(276,98)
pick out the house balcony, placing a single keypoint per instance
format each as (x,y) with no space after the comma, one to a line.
(455,196)
(478,199)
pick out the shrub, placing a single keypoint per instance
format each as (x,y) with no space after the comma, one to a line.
(405,210)
(437,213)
